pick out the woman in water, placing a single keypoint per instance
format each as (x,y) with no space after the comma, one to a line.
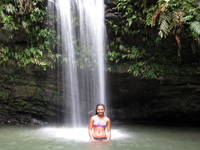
(99,126)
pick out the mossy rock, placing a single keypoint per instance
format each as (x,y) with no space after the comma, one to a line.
(4,94)
(27,91)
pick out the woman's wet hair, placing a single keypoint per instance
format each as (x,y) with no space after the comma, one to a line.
(98,106)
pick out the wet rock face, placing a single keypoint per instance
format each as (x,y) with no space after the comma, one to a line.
(29,98)
(35,98)
(165,100)
(20,119)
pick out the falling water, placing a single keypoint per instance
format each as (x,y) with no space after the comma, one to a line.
(80,28)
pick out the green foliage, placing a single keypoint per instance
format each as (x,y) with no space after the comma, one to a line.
(27,40)
(173,17)
(195,27)
(127,29)
(150,38)
(141,35)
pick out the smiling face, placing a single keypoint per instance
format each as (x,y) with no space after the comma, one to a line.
(100,110)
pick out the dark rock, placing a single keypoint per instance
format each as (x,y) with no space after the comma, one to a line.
(38,122)
(33,98)
(29,97)
(175,99)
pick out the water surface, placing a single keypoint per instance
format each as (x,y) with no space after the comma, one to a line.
(135,137)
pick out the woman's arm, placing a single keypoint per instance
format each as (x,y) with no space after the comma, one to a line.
(108,128)
(90,129)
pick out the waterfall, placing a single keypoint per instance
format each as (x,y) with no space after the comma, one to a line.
(80,28)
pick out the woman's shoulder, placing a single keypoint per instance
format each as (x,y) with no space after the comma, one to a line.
(107,119)
(94,117)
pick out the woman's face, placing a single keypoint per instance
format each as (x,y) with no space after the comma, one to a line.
(100,110)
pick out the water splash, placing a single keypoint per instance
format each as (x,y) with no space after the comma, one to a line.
(74,133)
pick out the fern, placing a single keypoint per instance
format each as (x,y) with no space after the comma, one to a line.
(195,27)
(10,9)
(164,26)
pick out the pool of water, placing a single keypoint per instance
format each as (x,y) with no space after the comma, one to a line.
(124,137)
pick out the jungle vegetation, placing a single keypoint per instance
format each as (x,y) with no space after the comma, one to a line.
(155,38)
(24,34)
(148,39)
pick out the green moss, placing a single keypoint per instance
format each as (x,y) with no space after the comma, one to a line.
(27,91)
(4,95)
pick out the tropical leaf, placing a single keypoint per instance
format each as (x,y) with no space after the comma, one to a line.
(187,18)
(164,26)
(10,9)
(195,27)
